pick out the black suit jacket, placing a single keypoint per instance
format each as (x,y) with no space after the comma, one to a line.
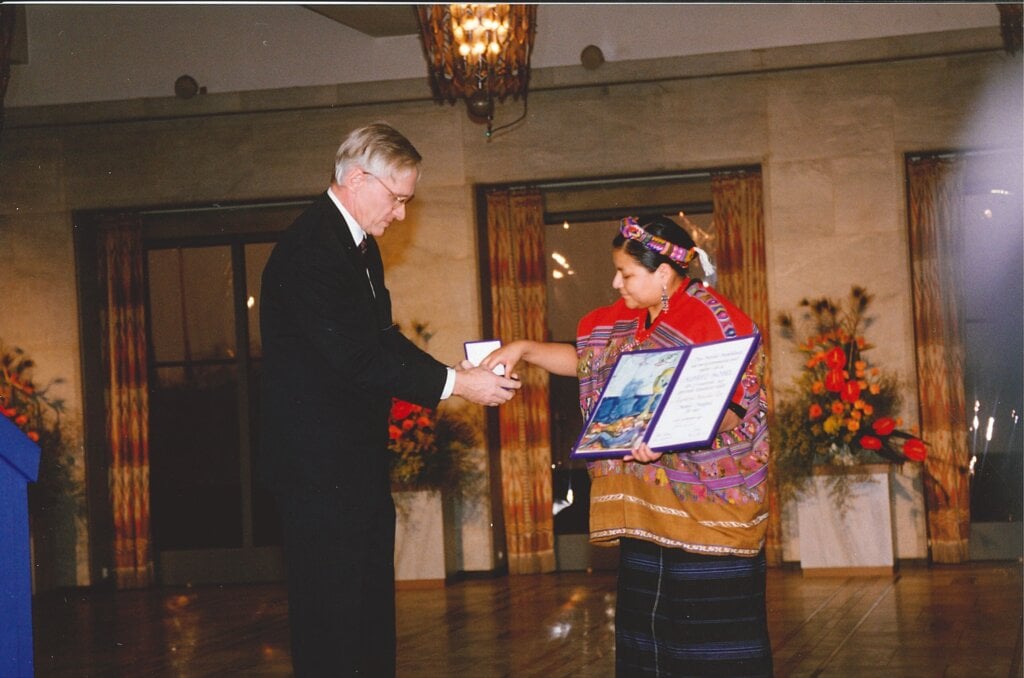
(332,360)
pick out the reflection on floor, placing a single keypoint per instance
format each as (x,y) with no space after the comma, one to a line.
(925,621)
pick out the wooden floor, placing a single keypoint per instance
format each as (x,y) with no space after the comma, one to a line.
(924,621)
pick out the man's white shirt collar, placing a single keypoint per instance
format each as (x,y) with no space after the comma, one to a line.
(357,231)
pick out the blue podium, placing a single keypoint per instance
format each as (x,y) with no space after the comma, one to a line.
(19,465)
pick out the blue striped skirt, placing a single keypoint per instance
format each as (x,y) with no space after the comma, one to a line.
(685,614)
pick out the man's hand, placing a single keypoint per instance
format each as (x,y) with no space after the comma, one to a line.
(481,386)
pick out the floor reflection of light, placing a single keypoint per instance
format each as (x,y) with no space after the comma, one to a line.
(182,627)
(559,630)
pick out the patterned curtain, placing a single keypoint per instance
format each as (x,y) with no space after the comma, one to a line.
(7,25)
(934,196)
(515,235)
(742,277)
(123,321)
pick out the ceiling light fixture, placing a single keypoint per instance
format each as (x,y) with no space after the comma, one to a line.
(480,53)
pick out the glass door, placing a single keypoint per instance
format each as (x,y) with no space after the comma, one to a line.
(993,275)
(210,521)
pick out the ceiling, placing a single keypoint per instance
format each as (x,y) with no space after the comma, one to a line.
(377,21)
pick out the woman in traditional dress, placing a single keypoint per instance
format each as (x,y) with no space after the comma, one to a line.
(690,524)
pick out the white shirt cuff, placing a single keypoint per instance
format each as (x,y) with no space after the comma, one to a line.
(449,384)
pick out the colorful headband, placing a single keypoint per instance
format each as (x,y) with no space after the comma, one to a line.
(631,230)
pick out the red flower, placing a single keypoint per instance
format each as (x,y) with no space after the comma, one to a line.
(400,409)
(394,432)
(914,450)
(423,422)
(884,425)
(814,412)
(21,420)
(407,424)
(33,436)
(851,391)
(835,359)
(834,381)
(870,443)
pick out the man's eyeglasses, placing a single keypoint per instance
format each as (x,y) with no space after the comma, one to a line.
(399,199)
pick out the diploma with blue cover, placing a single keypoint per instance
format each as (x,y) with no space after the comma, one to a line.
(672,399)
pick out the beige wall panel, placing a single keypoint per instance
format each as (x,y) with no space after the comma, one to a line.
(830,112)
(574,133)
(866,193)
(293,151)
(803,202)
(715,121)
(157,163)
(31,172)
(432,272)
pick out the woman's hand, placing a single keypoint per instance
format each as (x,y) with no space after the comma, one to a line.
(508,356)
(553,357)
(643,454)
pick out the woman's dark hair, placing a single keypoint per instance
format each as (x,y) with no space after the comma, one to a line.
(662,227)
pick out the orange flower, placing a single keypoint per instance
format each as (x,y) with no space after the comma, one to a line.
(817,387)
(33,436)
(870,443)
(400,409)
(853,425)
(875,389)
(814,412)
(838,407)
(883,426)
(836,358)
(850,392)
(914,450)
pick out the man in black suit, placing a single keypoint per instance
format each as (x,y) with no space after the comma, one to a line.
(332,360)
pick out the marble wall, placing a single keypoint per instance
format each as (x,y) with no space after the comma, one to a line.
(830,139)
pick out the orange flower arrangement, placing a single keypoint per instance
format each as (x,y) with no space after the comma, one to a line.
(842,410)
(34,410)
(431,449)
(21,401)
(411,441)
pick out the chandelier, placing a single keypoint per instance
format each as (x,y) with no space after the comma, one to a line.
(478,52)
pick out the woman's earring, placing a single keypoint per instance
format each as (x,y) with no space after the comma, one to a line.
(664,298)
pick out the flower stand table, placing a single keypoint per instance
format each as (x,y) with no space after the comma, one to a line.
(857,542)
(421,546)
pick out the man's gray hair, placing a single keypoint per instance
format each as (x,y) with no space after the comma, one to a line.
(378,148)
